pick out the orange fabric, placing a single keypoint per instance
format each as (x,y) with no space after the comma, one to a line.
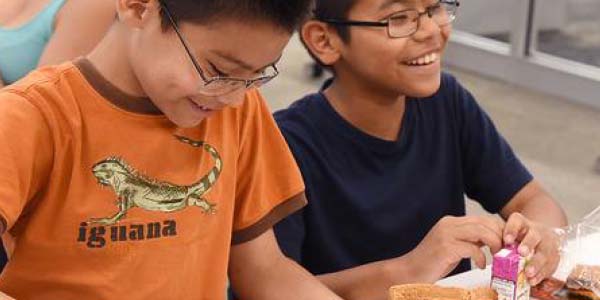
(55,129)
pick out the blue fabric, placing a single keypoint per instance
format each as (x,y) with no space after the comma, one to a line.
(371,199)
(22,47)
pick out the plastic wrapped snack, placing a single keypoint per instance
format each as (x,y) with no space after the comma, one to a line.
(580,258)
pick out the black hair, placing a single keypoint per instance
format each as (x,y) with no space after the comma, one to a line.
(335,9)
(286,14)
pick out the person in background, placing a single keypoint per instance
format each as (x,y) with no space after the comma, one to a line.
(37,33)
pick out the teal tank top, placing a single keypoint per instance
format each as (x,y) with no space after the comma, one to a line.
(22,47)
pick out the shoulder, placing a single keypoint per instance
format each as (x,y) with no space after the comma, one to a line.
(50,89)
(100,9)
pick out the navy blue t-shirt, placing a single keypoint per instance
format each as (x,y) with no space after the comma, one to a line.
(371,199)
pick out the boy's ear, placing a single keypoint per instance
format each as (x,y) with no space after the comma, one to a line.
(322,41)
(136,13)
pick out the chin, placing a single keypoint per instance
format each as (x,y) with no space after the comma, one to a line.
(423,90)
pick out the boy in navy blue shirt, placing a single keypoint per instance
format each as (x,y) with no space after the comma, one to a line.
(388,150)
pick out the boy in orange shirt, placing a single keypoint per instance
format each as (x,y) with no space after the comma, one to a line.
(149,167)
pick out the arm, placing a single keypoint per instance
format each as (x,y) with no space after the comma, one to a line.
(79,26)
(25,162)
(1,82)
(533,202)
(370,281)
(258,270)
(450,241)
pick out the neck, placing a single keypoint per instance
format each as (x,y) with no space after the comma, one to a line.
(367,108)
(111,59)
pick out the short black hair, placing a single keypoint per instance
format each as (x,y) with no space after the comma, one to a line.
(286,14)
(335,9)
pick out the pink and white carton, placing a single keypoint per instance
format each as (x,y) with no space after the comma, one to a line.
(508,275)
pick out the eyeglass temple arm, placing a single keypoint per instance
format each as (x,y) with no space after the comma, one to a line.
(180,37)
(355,23)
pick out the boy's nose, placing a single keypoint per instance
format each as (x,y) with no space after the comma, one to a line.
(427,28)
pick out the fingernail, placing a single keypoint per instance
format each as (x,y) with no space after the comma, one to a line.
(509,239)
(523,250)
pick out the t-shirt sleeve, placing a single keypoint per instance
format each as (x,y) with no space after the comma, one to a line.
(269,186)
(25,155)
(493,173)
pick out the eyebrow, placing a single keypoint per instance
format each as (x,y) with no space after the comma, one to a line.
(241,63)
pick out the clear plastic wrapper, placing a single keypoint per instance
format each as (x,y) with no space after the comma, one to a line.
(580,255)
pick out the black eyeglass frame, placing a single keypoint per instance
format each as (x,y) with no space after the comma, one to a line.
(387,22)
(246,83)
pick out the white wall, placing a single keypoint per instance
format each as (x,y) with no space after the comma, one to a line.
(497,16)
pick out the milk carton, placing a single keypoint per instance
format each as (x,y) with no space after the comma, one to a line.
(508,275)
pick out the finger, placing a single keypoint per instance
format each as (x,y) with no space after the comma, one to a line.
(493,223)
(545,272)
(516,227)
(478,234)
(530,242)
(469,250)
(535,265)
(552,254)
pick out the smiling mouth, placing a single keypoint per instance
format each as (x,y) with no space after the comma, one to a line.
(424,60)
(201,107)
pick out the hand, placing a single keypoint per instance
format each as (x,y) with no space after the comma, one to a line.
(453,239)
(537,239)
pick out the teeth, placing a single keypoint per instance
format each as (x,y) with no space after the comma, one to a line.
(424,60)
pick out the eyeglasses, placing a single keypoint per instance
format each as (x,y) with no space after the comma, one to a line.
(219,86)
(407,22)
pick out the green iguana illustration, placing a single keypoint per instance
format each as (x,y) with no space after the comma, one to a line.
(136,190)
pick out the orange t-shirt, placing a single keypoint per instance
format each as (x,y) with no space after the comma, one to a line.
(106,199)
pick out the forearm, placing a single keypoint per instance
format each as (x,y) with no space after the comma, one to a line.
(537,205)
(283,279)
(259,271)
(545,210)
(372,281)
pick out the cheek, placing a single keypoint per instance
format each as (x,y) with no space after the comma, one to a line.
(446,32)
(170,80)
